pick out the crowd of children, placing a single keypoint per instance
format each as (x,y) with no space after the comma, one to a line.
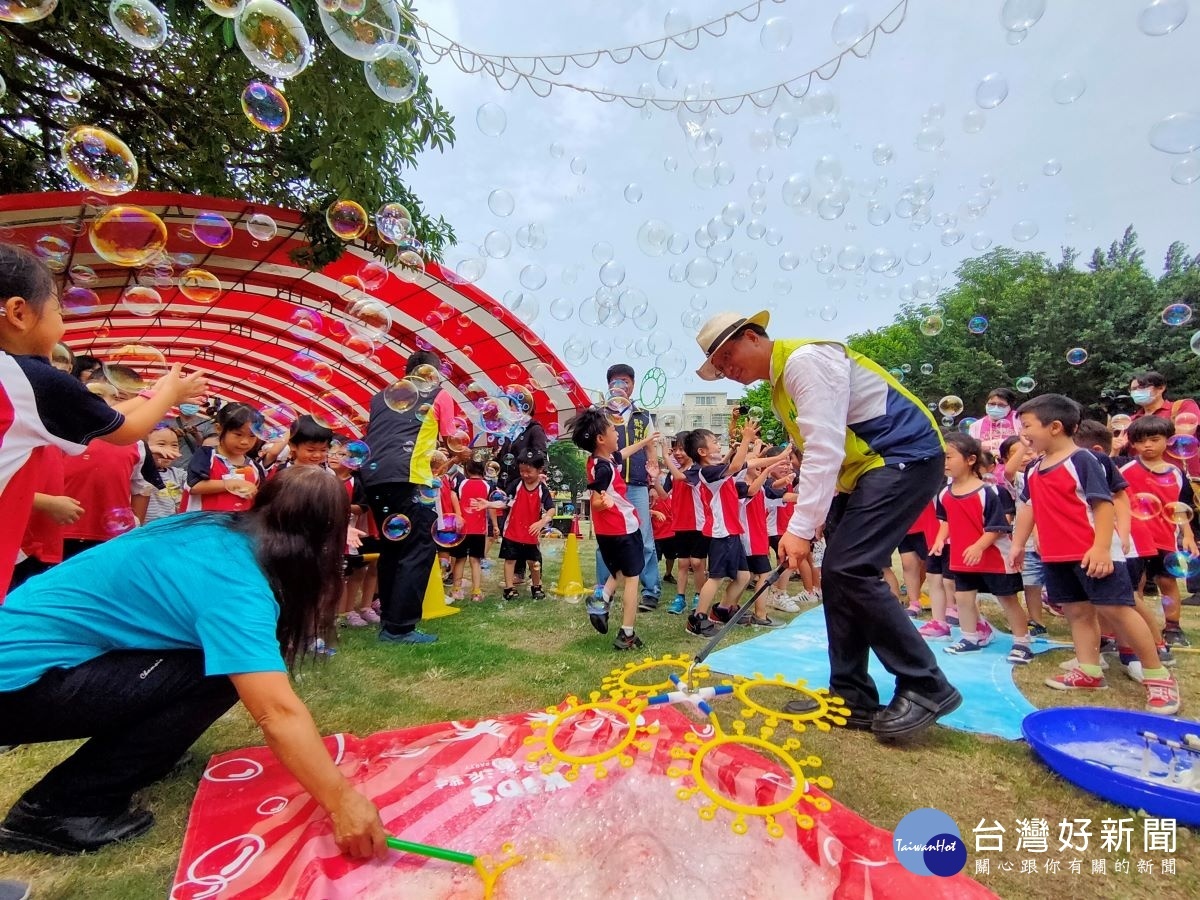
(1057,513)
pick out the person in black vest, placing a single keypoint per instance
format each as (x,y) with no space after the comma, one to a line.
(401,443)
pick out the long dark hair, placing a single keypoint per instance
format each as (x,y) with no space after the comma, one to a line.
(298,524)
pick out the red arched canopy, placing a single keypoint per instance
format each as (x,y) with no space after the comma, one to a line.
(271,309)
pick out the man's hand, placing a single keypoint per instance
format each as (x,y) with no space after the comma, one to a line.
(794,550)
(1097,562)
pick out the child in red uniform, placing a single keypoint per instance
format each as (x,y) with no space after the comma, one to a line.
(1072,507)
(975,519)
(530,510)
(222,478)
(355,608)
(1155,484)
(687,513)
(726,556)
(752,516)
(42,545)
(917,542)
(615,521)
(662,512)
(473,494)
(42,406)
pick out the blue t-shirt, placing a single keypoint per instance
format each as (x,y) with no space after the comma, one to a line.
(198,587)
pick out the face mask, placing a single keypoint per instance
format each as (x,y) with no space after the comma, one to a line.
(1141,397)
(189,409)
(997,412)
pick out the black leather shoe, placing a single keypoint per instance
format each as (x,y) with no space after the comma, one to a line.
(27,828)
(910,713)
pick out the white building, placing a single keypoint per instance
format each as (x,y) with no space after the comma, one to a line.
(698,409)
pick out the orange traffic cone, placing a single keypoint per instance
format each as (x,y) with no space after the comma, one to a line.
(434,606)
(570,579)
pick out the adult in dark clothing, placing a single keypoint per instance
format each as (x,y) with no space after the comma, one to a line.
(397,480)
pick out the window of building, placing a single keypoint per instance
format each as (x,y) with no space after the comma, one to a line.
(720,420)
(697,421)
(706,400)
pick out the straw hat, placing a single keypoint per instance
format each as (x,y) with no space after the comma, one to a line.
(717,330)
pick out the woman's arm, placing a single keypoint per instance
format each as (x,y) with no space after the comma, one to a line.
(292,736)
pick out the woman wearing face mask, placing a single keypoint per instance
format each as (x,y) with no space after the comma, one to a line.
(1147,390)
(1000,422)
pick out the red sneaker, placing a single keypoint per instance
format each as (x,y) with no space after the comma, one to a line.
(1162,696)
(1076,680)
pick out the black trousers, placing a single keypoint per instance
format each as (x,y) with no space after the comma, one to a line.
(861,613)
(141,710)
(26,569)
(404,565)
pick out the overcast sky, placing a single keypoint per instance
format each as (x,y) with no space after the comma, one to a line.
(924,76)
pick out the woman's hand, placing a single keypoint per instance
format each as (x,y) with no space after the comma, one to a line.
(357,828)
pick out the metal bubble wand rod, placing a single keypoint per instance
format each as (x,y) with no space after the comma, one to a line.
(733,620)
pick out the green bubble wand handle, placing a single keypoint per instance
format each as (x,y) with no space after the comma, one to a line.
(433,852)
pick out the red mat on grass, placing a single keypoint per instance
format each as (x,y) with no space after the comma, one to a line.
(254,833)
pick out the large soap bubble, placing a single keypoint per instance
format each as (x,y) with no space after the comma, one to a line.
(273,39)
(200,285)
(99,160)
(395,76)
(139,23)
(128,236)
(850,26)
(1021,15)
(991,91)
(228,9)
(266,107)
(1176,133)
(1068,87)
(501,203)
(25,11)
(491,119)
(1161,17)
(212,230)
(369,32)
(346,219)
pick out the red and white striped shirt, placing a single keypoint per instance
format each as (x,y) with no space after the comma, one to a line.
(686,504)
(752,516)
(719,494)
(621,517)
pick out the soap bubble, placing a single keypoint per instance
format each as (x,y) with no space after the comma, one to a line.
(305,324)
(932,325)
(1145,506)
(309,367)
(200,286)
(1160,17)
(401,396)
(926,368)
(273,38)
(977,324)
(795,190)
(71,93)
(25,11)
(1068,88)
(140,300)
(272,422)
(701,273)
(145,362)
(118,521)
(991,91)
(497,244)
(633,193)
(395,77)
(1025,384)
(501,203)
(1176,133)
(138,23)
(1025,230)
(612,273)
(396,527)
(1051,167)
(666,74)
(261,227)
(1077,356)
(672,362)
(355,453)
(346,219)
(776,34)
(1184,446)
(973,121)
(951,406)
(828,313)
(212,230)
(491,119)
(373,274)
(1180,564)
(1186,171)
(1177,314)
(533,277)
(578,165)
(128,236)
(99,160)
(227,9)
(266,107)
(367,31)
(850,26)
(78,300)
(930,138)
(1020,15)
(850,257)
(393,221)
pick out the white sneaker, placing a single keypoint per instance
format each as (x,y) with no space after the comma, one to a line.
(808,596)
(1073,663)
(784,603)
(1134,670)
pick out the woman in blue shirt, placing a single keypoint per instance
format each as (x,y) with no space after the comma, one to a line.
(125,647)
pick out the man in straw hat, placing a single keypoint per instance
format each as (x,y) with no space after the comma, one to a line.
(873,443)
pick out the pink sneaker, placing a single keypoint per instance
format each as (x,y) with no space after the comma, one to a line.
(1077,680)
(952,615)
(370,616)
(986,634)
(377,605)
(1162,695)
(935,630)
(354,620)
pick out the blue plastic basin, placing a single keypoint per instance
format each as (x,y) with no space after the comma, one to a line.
(1049,730)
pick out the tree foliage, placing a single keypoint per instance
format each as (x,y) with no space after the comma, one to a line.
(565,457)
(178,108)
(1036,312)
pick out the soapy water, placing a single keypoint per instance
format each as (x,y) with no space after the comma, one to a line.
(632,841)
(1155,763)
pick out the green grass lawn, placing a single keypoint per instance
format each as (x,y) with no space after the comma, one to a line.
(496,658)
